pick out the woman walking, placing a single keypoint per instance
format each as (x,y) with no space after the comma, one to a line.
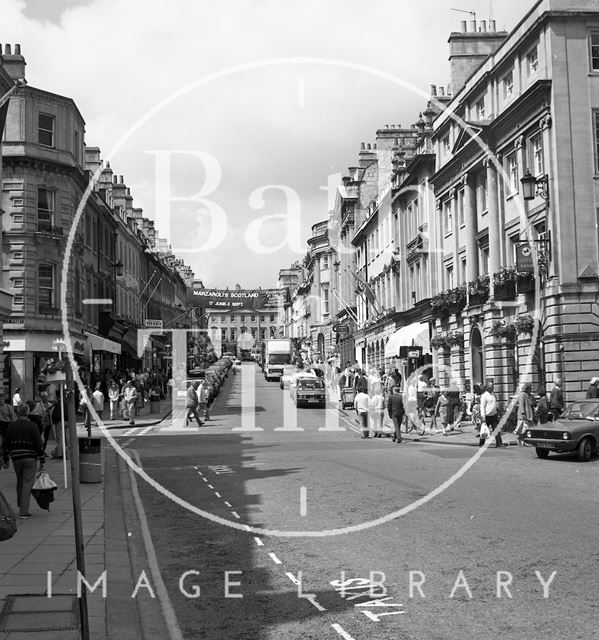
(114,396)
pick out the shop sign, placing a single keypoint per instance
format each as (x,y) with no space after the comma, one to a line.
(151,323)
(414,353)
(342,329)
(524,258)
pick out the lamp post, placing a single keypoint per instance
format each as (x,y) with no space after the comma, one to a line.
(533,187)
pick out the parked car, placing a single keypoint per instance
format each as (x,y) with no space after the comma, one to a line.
(577,430)
(308,389)
(289,371)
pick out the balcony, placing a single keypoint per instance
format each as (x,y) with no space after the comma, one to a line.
(44,227)
(47,310)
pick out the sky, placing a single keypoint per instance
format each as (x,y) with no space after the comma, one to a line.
(229,118)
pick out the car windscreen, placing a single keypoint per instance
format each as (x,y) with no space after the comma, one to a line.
(582,411)
(278,358)
(310,383)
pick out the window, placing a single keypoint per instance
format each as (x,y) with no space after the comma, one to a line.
(272,318)
(480,109)
(262,318)
(484,259)
(449,277)
(223,335)
(325,262)
(223,318)
(45,127)
(45,206)
(45,285)
(536,155)
(262,334)
(325,301)
(447,217)
(512,171)
(594,53)
(463,270)
(445,147)
(482,186)
(596,129)
(233,333)
(532,61)
(17,283)
(461,207)
(253,330)
(508,85)
(253,318)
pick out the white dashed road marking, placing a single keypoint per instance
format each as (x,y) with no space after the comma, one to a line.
(217,494)
(235,515)
(274,558)
(342,632)
(144,431)
(259,542)
(228,504)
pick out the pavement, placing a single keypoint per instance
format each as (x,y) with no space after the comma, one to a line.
(38,573)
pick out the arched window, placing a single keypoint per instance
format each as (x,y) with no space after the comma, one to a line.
(477,357)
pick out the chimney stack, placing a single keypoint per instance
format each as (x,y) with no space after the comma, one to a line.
(468,50)
(13,64)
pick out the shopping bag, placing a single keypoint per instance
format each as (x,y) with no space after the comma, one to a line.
(8,520)
(485,432)
(43,491)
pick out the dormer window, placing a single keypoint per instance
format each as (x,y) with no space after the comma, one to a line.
(532,61)
(480,109)
(508,85)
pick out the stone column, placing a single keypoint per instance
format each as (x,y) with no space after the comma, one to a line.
(494,222)
(456,237)
(471,228)
(317,291)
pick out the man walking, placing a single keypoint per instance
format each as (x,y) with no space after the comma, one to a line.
(203,399)
(556,400)
(23,445)
(130,400)
(192,403)
(489,415)
(525,412)
(361,405)
(396,411)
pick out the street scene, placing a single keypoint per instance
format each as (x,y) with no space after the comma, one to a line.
(274,368)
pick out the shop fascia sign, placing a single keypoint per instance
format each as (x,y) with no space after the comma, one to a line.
(151,323)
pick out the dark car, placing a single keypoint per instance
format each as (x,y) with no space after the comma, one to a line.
(308,389)
(577,430)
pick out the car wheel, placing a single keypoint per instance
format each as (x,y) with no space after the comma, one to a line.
(542,453)
(585,450)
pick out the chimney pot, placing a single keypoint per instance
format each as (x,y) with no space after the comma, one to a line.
(374,146)
(483,26)
(473,26)
(362,146)
(115,179)
(121,180)
(368,146)
(463,26)
(441,91)
(17,49)
(433,89)
(7,50)
(492,26)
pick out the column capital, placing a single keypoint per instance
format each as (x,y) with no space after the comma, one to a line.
(546,122)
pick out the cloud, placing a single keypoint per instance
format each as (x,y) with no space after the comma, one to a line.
(283,124)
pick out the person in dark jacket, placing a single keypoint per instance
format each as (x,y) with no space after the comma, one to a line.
(542,406)
(23,445)
(396,411)
(556,399)
(593,390)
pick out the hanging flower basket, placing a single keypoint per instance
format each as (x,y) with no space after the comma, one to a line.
(501,329)
(455,338)
(478,290)
(439,342)
(524,323)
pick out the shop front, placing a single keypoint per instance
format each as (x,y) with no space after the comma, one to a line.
(409,347)
(103,357)
(28,355)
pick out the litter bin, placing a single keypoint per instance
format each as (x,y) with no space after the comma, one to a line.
(90,460)
(155,404)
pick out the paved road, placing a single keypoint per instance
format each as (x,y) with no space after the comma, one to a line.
(509,513)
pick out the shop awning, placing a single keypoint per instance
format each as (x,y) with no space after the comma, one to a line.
(412,335)
(98,343)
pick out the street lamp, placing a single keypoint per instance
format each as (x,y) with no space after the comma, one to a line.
(533,186)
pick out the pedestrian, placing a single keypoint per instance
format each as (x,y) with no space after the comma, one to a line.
(23,445)
(192,403)
(525,412)
(56,417)
(377,408)
(43,409)
(16,398)
(454,414)
(361,405)
(556,400)
(542,406)
(489,414)
(7,415)
(170,384)
(114,396)
(593,390)
(203,399)
(360,382)
(130,400)
(98,401)
(34,414)
(84,405)
(442,410)
(396,412)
